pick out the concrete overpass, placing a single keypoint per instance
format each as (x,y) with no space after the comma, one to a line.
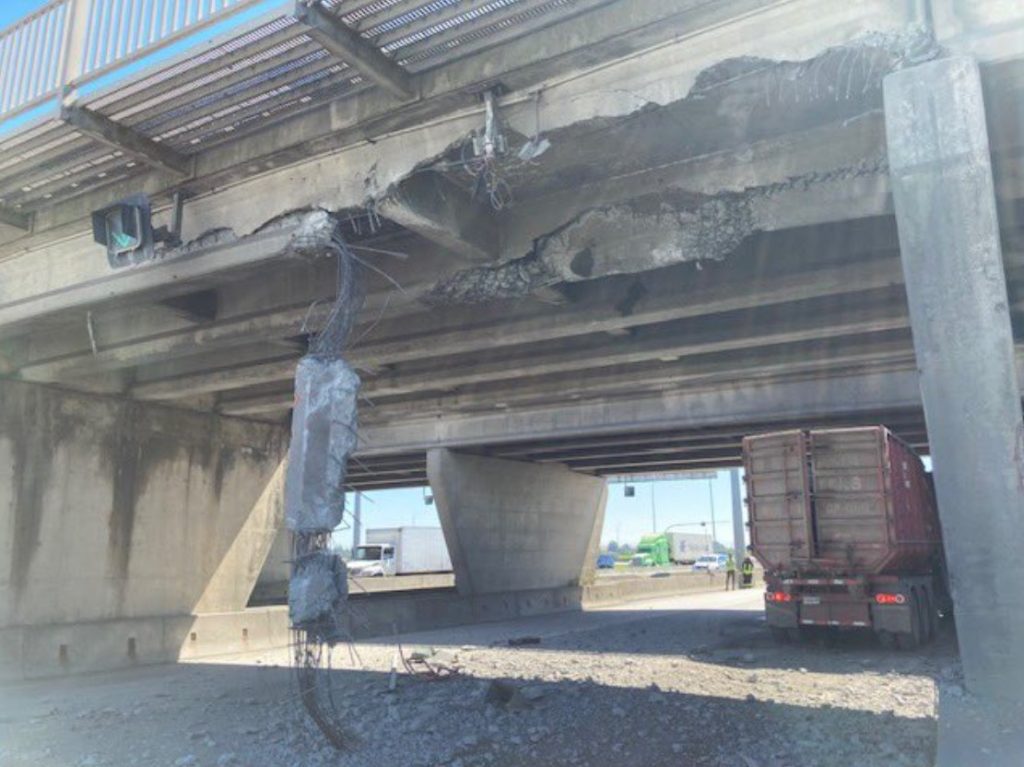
(709,247)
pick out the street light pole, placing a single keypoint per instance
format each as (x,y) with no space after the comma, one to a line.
(357,519)
(654,514)
(711,498)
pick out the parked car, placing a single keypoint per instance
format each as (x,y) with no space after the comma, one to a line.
(606,561)
(709,563)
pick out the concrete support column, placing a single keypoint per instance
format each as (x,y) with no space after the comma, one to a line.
(121,521)
(513,526)
(739,539)
(949,240)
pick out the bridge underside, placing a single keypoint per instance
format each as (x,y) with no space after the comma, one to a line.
(706,249)
(692,236)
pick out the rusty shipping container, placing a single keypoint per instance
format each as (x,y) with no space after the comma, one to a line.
(845,523)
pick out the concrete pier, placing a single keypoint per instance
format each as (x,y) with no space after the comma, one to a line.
(516,526)
(122,521)
(950,244)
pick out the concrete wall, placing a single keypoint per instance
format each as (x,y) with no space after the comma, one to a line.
(513,526)
(111,510)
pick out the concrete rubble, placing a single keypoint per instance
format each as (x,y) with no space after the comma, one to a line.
(604,687)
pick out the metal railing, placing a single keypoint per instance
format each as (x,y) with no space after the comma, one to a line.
(32,56)
(69,42)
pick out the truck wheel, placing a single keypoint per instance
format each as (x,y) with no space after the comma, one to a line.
(911,640)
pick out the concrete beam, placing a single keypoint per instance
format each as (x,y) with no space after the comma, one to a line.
(811,358)
(142,148)
(435,208)
(33,293)
(215,381)
(15,218)
(721,335)
(597,307)
(500,363)
(738,401)
(349,46)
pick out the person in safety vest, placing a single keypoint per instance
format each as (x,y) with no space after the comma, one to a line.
(747,570)
(730,573)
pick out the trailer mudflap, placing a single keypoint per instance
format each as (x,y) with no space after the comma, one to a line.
(784,615)
(894,618)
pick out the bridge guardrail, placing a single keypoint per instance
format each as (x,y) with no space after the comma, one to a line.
(67,43)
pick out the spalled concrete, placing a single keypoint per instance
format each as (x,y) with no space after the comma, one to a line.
(963,339)
(516,526)
(113,511)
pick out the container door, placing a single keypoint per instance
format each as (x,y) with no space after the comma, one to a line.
(779,499)
(849,498)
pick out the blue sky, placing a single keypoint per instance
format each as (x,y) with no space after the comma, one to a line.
(626,519)
(12,10)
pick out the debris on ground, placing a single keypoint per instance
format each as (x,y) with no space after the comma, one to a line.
(523,641)
(607,686)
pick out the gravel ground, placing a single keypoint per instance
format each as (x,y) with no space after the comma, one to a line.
(682,681)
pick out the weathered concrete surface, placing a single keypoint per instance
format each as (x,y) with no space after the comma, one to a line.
(963,339)
(25,651)
(112,511)
(516,526)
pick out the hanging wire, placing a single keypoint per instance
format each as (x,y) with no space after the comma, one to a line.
(313,644)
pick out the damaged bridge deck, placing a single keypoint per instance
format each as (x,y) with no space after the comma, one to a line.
(690,236)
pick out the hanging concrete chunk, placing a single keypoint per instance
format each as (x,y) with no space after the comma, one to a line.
(323,436)
(317,593)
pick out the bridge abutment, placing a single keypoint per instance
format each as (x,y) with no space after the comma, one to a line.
(120,521)
(517,527)
(963,340)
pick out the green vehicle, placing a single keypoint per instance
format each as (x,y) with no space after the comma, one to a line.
(652,551)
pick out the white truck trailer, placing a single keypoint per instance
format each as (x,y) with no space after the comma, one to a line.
(686,548)
(400,551)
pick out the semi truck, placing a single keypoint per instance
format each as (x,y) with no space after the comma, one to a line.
(652,551)
(400,551)
(844,522)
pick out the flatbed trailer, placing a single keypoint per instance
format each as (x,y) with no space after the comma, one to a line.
(845,524)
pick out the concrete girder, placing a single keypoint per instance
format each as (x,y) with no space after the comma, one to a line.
(661,230)
(488,364)
(104,130)
(27,299)
(848,144)
(719,336)
(595,307)
(664,301)
(348,46)
(738,401)
(15,218)
(810,358)
(217,380)
(440,211)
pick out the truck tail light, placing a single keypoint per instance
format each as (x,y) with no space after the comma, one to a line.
(778,596)
(890,599)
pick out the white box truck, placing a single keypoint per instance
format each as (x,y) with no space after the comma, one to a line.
(400,551)
(686,548)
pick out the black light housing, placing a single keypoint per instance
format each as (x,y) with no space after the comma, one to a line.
(125,229)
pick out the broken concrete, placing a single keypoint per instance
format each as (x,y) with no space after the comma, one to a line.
(732,104)
(323,436)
